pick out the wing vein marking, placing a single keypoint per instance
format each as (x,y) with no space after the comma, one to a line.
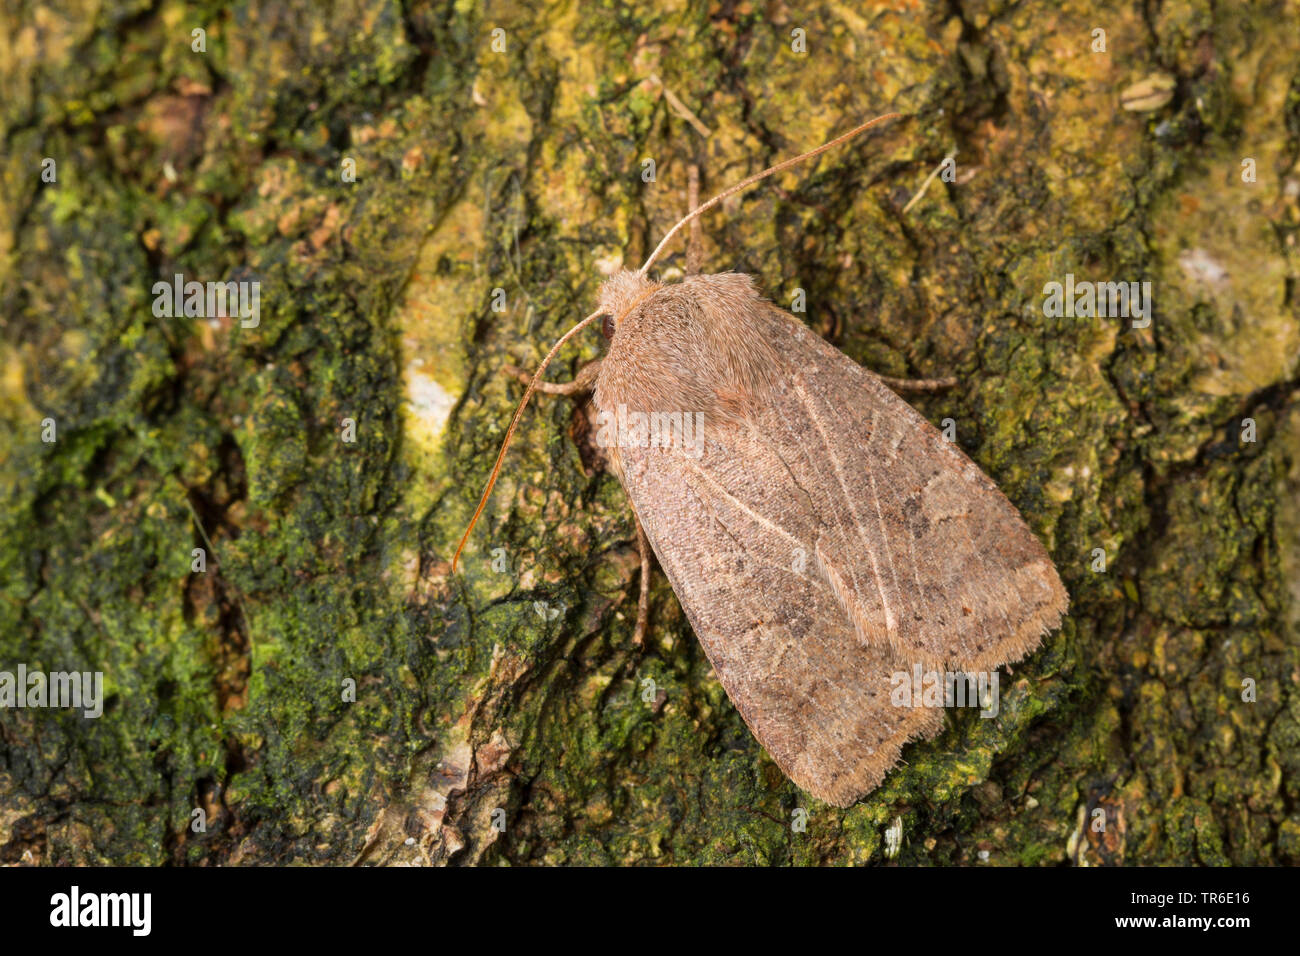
(761,519)
(754,556)
(890,622)
(812,505)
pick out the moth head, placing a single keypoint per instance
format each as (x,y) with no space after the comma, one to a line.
(619,295)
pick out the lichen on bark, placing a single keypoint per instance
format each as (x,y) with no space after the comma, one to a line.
(505,715)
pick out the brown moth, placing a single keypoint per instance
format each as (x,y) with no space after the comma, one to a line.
(820,534)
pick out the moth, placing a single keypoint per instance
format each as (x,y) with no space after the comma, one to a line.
(820,534)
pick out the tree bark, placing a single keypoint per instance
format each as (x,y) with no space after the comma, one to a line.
(424,201)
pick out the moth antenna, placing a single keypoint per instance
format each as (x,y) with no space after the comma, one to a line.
(510,432)
(745,183)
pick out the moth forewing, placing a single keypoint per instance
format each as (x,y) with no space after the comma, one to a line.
(825,539)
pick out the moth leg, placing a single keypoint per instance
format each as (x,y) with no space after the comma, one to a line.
(918,384)
(643,603)
(584,382)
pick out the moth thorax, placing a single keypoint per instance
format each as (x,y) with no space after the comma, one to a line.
(621,292)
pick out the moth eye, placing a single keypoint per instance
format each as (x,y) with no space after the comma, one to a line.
(607,326)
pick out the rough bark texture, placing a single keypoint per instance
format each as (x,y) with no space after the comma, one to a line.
(507,716)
